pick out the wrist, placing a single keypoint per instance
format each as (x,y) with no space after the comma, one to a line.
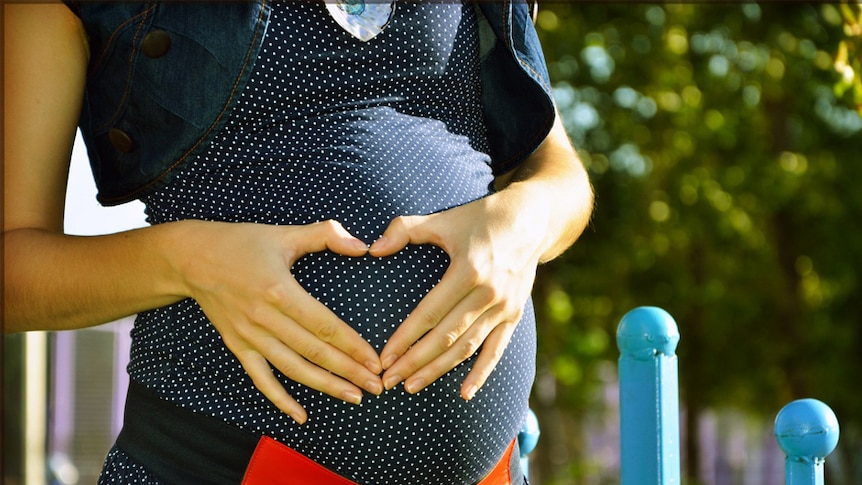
(556,206)
(179,247)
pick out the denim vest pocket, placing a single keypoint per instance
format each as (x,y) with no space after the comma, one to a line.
(162,82)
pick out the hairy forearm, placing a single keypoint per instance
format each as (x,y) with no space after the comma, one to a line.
(552,188)
(59,282)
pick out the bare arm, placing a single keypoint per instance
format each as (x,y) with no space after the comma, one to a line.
(45,68)
(554,178)
(238,273)
(54,281)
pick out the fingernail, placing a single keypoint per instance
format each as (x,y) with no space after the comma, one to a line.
(381,241)
(373,366)
(414,386)
(388,361)
(374,387)
(359,244)
(299,418)
(352,397)
(391,381)
(470,392)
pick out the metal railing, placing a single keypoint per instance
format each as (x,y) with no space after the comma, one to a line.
(647,337)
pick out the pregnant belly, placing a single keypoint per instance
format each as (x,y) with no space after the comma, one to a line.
(434,436)
(375,167)
(395,438)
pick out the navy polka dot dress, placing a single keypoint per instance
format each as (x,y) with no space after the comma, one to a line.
(330,127)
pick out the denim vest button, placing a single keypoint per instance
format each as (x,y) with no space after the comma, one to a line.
(156,44)
(121,140)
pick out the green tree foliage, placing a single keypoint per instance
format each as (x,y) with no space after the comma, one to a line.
(848,61)
(725,147)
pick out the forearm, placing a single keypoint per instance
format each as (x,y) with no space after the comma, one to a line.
(551,189)
(59,282)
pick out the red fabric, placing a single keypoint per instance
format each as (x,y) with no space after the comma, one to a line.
(276,464)
(501,475)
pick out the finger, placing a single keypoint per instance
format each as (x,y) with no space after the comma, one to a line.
(257,368)
(404,230)
(312,315)
(320,353)
(324,235)
(297,369)
(438,341)
(266,350)
(431,310)
(465,348)
(458,283)
(492,351)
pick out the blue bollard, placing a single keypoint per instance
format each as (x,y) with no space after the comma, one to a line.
(649,398)
(807,431)
(527,440)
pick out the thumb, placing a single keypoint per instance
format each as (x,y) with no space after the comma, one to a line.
(404,230)
(330,235)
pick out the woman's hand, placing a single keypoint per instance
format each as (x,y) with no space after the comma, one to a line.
(478,302)
(240,276)
(494,245)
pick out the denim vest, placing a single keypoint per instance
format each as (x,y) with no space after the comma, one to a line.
(164,77)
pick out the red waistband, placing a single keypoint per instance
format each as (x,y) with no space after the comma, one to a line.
(271,459)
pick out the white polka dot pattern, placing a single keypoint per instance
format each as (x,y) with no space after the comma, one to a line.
(333,128)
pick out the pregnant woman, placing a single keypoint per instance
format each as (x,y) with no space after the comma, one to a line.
(345,227)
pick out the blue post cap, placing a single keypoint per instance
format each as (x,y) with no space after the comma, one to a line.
(528,438)
(806,428)
(647,331)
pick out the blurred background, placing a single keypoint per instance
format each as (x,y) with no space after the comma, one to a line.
(724,141)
